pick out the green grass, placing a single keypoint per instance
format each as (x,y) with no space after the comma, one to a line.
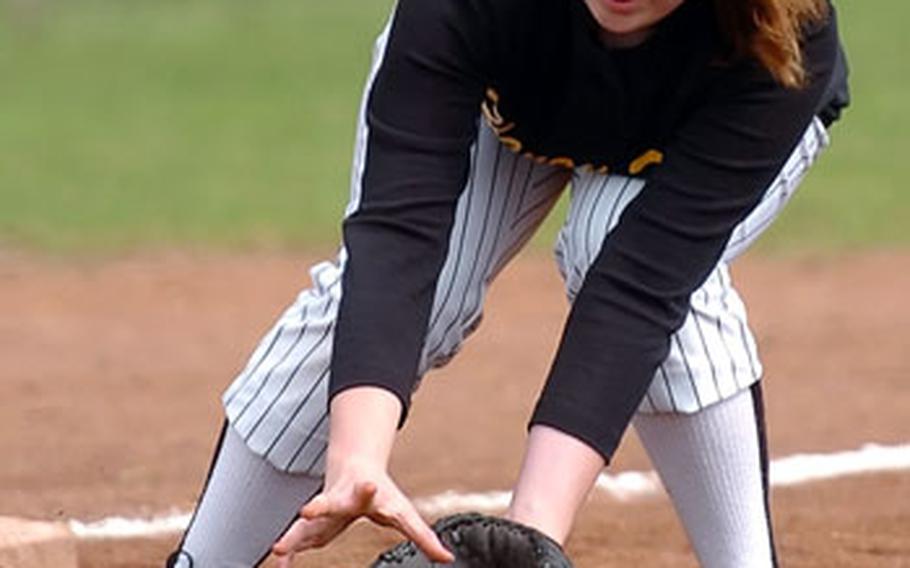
(857,195)
(158,122)
(229,123)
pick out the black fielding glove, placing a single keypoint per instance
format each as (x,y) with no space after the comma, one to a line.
(481,541)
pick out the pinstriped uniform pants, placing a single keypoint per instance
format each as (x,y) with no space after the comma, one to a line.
(278,402)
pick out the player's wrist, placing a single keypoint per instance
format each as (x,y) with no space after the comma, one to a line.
(362,427)
(557,473)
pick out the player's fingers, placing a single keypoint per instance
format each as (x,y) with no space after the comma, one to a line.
(291,539)
(304,535)
(429,543)
(409,522)
(318,506)
(285,561)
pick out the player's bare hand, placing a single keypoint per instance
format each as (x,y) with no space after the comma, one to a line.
(358,490)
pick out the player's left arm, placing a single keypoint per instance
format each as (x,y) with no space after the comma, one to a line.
(636,293)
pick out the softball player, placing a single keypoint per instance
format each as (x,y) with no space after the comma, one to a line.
(683,129)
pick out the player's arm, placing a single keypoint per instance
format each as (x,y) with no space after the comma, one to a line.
(668,240)
(421,117)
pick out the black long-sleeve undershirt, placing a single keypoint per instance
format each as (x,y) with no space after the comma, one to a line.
(724,131)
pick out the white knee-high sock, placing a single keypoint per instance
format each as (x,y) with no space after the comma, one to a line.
(245,506)
(714,466)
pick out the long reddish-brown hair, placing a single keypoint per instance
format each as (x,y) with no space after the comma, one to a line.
(770,31)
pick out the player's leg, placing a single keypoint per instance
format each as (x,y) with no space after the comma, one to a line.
(234,523)
(714,466)
(246,501)
(701,424)
(702,420)
(274,448)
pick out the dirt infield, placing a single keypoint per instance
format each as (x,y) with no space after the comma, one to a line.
(112,370)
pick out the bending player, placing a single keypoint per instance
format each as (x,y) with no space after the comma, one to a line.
(684,128)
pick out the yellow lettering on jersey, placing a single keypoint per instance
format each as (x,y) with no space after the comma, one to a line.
(505,128)
(645,160)
(512,144)
(491,113)
(490,110)
(562,162)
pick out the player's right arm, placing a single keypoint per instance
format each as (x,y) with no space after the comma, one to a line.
(421,120)
(421,117)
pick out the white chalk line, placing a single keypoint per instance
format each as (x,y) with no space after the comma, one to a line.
(624,486)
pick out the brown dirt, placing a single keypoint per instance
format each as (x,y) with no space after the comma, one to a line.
(112,370)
